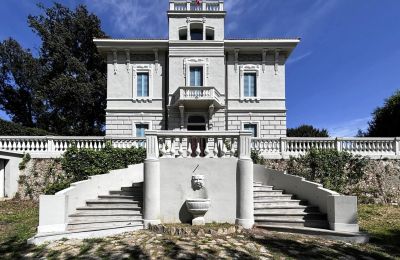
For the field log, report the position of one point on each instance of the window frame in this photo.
(138, 69)
(201, 76)
(196, 62)
(253, 74)
(256, 123)
(137, 84)
(134, 128)
(244, 69)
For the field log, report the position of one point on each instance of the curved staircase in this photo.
(119, 209)
(274, 208)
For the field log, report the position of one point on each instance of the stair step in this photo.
(116, 197)
(102, 218)
(111, 202)
(106, 214)
(133, 189)
(110, 207)
(84, 226)
(125, 193)
(267, 192)
(286, 209)
(262, 188)
(266, 204)
(292, 223)
(298, 216)
(274, 197)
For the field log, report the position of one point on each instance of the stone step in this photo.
(291, 223)
(110, 207)
(274, 197)
(298, 216)
(95, 213)
(267, 193)
(286, 209)
(112, 202)
(262, 188)
(84, 226)
(125, 193)
(133, 189)
(257, 184)
(99, 218)
(116, 197)
(266, 204)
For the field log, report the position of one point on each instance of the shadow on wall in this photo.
(184, 215)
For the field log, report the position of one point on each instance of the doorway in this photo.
(197, 123)
(2, 178)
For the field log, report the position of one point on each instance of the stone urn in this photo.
(198, 208)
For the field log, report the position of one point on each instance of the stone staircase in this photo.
(120, 209)
(274, 208)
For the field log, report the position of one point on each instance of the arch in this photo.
(196, 119)
(183, 33)
(210, 33)
(196, 31)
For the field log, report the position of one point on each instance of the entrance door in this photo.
(197, 123)
(2, 178)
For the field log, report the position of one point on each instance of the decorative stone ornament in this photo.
(197, 182)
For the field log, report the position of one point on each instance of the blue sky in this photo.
(347, 63)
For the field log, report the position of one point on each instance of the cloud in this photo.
(298, 58)
(348, 128)
(133, 18)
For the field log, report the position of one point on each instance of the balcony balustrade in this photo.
(197, 97)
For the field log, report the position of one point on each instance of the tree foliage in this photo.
(307, 131)
(386, 119)
(63, 89)
(10, 128)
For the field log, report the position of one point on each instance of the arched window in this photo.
(196, 31)
(183, 33)
(209, 34)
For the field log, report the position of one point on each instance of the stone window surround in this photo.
(249, 69)
(196, 62)
(142, 68)
(258, 123)
(134, 123)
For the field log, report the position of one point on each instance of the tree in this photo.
(307, 131)
(386, 119)
(63, 90)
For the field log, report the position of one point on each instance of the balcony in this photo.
(193, 6)
(197, 97)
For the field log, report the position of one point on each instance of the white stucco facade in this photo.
(196, 40)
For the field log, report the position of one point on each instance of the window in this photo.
(143, 84)
(196, 76)
(140, 128)
(196, 34)
(183, 34)
(250, 84)
(209, 34)
(252, 128)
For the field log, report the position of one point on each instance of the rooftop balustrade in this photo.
(190, 5)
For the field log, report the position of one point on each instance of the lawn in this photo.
(18, 220)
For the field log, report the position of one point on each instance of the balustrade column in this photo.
(151, 196)
(397, 146)
(338, 144)
(50, 144)
(244, 182)
(282, 146)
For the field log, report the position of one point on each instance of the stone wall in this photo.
(380, 184)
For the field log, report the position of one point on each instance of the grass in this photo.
(19, 219)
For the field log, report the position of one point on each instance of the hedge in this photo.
(10, 128)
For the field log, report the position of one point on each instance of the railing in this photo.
(59, 144)
(196, 93)
(206, 144)
(190, 5)
(174, 144)
(293, 146)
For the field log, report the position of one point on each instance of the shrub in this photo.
(25, 160)
(257, 158)
(80, 164)
(10, 128)
(335, 170)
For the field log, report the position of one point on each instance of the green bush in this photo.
(10, 128)
(335, 170)
(80, 164)
(257, 158)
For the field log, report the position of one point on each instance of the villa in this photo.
(200, 104)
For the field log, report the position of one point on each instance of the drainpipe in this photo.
(244, 183)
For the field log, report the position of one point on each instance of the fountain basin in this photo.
(198, 208)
